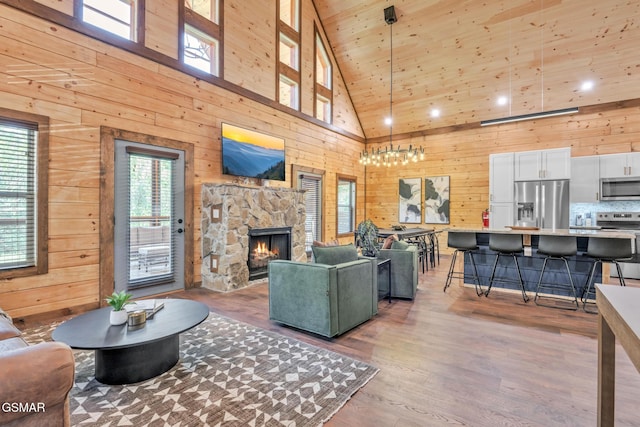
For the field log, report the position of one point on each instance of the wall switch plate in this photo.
(214, 262)
(216, 213)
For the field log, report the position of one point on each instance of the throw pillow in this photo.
(333, 242)
(389, 241)
(333, 255)
(399, 244)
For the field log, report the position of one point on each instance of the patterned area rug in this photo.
(229, 374)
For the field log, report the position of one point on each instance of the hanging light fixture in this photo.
(390, 156)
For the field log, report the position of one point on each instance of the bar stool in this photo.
(465, 243)
(605, 250)
(506, 245)
(556, 248)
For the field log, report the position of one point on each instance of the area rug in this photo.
(229, 374)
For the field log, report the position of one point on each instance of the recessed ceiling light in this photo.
(388, 121)
(586, 85)
(502, 100)
(435, 113)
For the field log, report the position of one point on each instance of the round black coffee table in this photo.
(125, 354)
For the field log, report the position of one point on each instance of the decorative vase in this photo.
(118, 317)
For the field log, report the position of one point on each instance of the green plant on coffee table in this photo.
(368, 238)
(118, 300)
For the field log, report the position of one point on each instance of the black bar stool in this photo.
(465, 243)
(558, 248)
(506, 244)
(605, 250)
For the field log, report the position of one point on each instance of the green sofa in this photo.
(329, 297)
(404, 269)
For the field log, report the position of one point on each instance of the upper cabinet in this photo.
(620, 165)
(501, 178)
(501, 195)
(585, 179)
(543, 164)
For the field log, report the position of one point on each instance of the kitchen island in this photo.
(531, 263)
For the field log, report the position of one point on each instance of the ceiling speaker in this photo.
(390, 15)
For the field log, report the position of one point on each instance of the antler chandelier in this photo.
(391, 156)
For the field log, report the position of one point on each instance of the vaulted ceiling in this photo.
(461, 56)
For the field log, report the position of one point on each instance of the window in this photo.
(116, 16)
(323, 93)
(289, 13)
(346, 196)
(289, 92)
(289, 53)
(311, 180)
(200, 51)
(323, 108)
(23, 194)
(208, 9)
(202, 35)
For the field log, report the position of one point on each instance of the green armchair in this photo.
(329, 297)
(404, 269)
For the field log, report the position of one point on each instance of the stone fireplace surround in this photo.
(228, 212)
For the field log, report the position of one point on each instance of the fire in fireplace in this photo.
(266, 244)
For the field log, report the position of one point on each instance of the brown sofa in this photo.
(35, 380)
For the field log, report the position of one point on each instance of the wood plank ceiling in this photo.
(460, 56)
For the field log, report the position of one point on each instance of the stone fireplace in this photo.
(230, 213)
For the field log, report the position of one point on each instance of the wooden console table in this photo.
(618, 318)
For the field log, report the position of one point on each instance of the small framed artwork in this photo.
(409, 200)
(436, 200)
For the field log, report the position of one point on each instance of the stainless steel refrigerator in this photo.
(543, 204)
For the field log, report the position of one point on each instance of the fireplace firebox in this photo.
(267, 244)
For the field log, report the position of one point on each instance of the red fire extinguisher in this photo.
(485, 218)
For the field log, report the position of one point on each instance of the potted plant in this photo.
(117, 301)
(368, 238)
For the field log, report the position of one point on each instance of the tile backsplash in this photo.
(591, 208)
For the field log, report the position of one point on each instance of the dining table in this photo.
(426, 238)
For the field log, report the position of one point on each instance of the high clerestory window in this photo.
(323, 92)
(202, 35)
(120, 17)
(289, 53)
(23, 194)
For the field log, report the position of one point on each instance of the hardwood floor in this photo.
(456, 359)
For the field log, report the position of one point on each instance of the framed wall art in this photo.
(409, 200)
(436, 200)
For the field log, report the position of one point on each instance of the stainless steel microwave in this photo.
(627, 188)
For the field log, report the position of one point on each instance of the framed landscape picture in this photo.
(410, 203)
(436, 200)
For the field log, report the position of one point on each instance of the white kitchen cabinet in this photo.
(501, 215)
(543, 164)
(620, 165)
(501, 178)
(585, 179)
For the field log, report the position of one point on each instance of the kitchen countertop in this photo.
(586, 232)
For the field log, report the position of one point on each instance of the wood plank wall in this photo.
(83, 84)
(464, 157)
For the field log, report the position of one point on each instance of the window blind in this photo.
(313, 203)
(346, 206)
(18, 207)
(151, 212)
